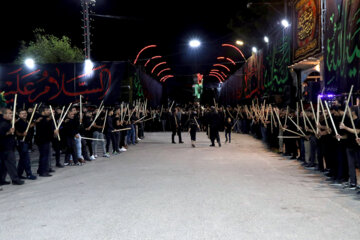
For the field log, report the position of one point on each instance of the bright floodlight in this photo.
(266, 39)
(30, 63)
(285, 23)
(194, 43)
(88, 66)
(254, 49)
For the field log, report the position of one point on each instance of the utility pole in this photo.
(86, 12)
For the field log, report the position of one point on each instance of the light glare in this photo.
(194, 43)
(30, 63)
(266, 39)
(285, 23)
(88, 66)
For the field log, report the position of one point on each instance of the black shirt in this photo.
(44, 130)
(20, 127)
(7, 142)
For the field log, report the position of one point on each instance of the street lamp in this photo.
(285, 23)
(239, 42)
(254, 49)
(195, 43)
(30, 63)
(88, 66)
(266, 39)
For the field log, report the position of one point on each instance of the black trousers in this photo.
(122, 138)
(24, 161)
(8, 165)
(353, 155)
(44, 150)
(56, 145)
(70, 150)
(174, 132)
(214, 134)
(110, 137)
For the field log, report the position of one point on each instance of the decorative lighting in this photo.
(194, 43)
(137, 57)
(30, 63)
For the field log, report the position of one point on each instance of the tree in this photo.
(257, 19)
(48, 48)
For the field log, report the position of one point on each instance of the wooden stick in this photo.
(277, 116)
(67, 110)
(29, 123)
(347, 103)
(81, 112)
(140, 119)
(286, 116)
(289, 137)
(96, 116)
(119, 130)
(171, 105)
(147, 119)
(14, 112)
(311, 126)
(331, 119)
(93, 139)
(352, 123)
(318, 115)
(322, 108)
(304, 113)
(298, 127)
(62, 111)
(162, 107)
(313, 111)
(297, 113)
(53, 117)
(285, 129)
(121, 111)
(102, 131)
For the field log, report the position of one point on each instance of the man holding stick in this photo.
(44, 135)
(352, 143)
(21, 127)
(7, 149)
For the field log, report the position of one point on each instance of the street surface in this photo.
(158, 190)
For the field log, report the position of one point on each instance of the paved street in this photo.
(158, 190)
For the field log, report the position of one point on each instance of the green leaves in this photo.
(47, 48)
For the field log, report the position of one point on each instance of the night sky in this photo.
(170, 26)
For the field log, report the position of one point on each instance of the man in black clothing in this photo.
(108, 132)
(7, 148)
(175, 126)
(214, 124)
(23, 147)
(44, 135)
(352, 146)
(71, 131)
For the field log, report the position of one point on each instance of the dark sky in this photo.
(170, 26)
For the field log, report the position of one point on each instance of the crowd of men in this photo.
(323, 136)
(75, 133)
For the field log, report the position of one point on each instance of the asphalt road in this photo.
(158, 190)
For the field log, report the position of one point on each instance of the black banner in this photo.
(63, 83)
(306, 29)
(342, 45)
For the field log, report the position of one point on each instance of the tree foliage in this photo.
(256, 19)
(47, 48)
